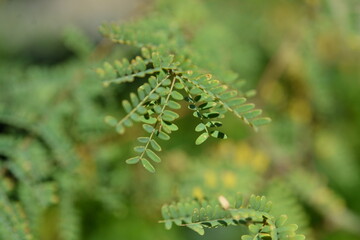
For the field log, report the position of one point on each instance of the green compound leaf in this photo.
(170, 77)
(201, 214)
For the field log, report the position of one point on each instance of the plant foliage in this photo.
(171, 77)
(255, 214)
(174, 72)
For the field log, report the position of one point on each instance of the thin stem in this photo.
(141, 102)
(130, 77)
(158, 119)
(166, 101)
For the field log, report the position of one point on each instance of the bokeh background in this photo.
(62, 170)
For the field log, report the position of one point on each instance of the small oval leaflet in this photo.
(179, 85)
(214, 124)
(133, 160)
(244, 108)
(127, 106)
(166, 128)
(141, 110)
(166, 82)
(197, 98)
(163, 136)
(162, 91)
(134, 99)
(148, 128)
(167, 117)
(207, 105)
(173, 127)
(135, 117)
(192, 106)
(281, 220)
(211, 115)
(200, 127)
(218, 134)
(127, 122)
(202, 138)
(261, 121)
(139, 149)
(153, 156)
(252, 113)
(153, 96)
(147, 165)
(143, 139)
(228, 94)
(111, 121)
(155, 145)
(236, 102)
(174, 105)
(158, 109)
(153, 81)
(176, 95)
(120, 129)
(197, 228)
(174, 115)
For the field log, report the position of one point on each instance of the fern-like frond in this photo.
(149, 63)
(227, 99)
(255, 214)
(171, 77)
(281, 193)
(327, 202)
(14, 223)
(149, 32)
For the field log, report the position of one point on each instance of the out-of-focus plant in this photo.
(62, 170)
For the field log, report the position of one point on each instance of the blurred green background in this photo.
(62, 170)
